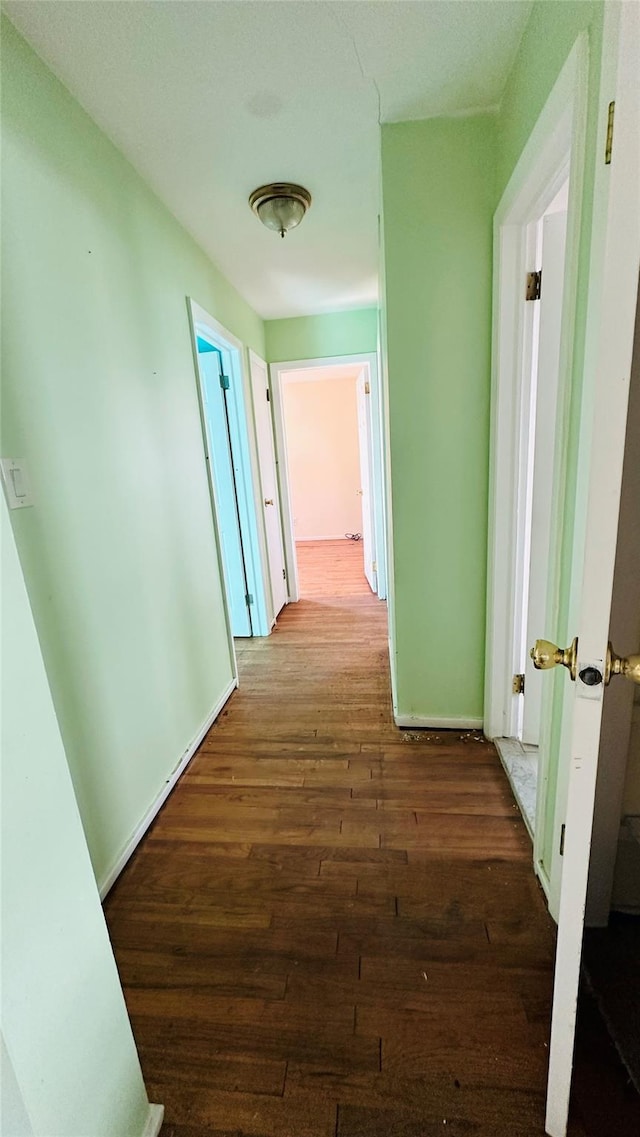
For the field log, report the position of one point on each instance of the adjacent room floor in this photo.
(331, 568)
(333, 928)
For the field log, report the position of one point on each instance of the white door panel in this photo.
(615, 263)
(554, 231)
(269, 481)
(363, 389)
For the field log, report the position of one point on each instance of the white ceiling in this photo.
(210, 99)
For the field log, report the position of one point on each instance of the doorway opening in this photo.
(328, 426)
(545, 242)
(223, 408)
(536, 251)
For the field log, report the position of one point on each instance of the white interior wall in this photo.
(321, 423)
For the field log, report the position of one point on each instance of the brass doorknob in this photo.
(546, 655)
(268, 501)
(626, 665)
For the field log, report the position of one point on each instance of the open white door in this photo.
(544, 415)
(613, 289)
(269, 481)
(222, 467)
(363, 389)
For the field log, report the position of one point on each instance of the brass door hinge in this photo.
(367, 387)
(374, 566)
(562, 832)
(284, 574)
(608, 147)
(517, 685)
(534, 285)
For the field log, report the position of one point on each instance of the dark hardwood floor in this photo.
(333, 928)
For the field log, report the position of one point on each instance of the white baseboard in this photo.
(325, 537)
(159, 801)
(434, 722)
(154, 1121)
(545, 884)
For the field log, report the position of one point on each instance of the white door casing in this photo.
(365, 442)
(269, 481)
(612, 298)
(378, 468)
(555, 149)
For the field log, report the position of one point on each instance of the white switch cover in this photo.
(16, 482)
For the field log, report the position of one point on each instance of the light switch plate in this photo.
(16, 483)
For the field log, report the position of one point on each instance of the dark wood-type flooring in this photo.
(333, 928)
(612, 964)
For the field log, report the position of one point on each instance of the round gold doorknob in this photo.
(628, 666)
(546, 655)
(268, 501)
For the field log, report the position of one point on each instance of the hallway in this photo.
(333, 927)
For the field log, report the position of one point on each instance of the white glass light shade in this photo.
(281, 213)
(280, 206)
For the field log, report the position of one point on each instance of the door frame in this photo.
(369, 361)
(555, 147)
(245, 461)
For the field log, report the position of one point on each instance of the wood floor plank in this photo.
(332, 928)
(222, 1113)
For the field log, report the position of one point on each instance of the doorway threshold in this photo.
(521, 765)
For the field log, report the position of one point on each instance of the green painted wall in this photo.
(99, 397)
(438, 198)
(549, 36)
(74, 1069)
(312, 337)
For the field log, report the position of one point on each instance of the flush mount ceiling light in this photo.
(280, 205)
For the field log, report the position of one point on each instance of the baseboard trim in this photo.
(434, 722)
(159, 801)
(545, 884)
(324, 537)
(153, 1125)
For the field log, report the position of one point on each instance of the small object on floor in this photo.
(353, 536)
